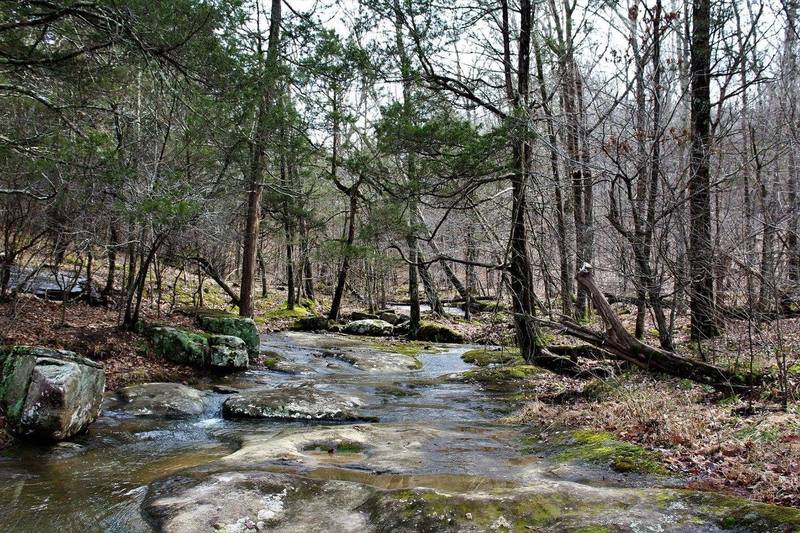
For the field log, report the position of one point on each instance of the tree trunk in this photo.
(701, 288)
(258, 163)
(342, 277)
(430, 288)
(112, 261)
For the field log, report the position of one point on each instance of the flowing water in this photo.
(100, 480)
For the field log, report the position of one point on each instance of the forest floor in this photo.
(747, 446)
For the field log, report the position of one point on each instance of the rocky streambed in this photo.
(348, 434)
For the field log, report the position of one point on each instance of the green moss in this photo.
(431, 332)
(425, 510)
(598, 390)
(335, 447)
(222, 323)
(282, 311)
(794, 369)
(732, 512)
(410, 348)
(179, 345)
(602, 447)
(486, 357)
(502, 374)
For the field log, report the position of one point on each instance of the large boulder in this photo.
(179, 345)
(222, 323)
(161, 400)
(375, 328)
(49, 394)
(227, 352)
(303, 402)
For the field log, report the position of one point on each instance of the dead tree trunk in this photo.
(617, 341)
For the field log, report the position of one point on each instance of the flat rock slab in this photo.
(303, 402)
(243, 500)
(161, 400)
(377, 447)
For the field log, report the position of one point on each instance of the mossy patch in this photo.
(502, 374)
(489, 357)
(335, 447)
(410, 348)
(425, 510)
(602, 447)
(432, 332)
(731, 512)
(270, 359)
(598, 390)
(282, 311)
(179, 345)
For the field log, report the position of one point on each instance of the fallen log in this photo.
(617, 341)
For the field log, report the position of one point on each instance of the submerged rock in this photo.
(49, 394)
(250, 501)
(161, 400)
(302, 402)
(373, 327)
(381, 447)
(227, 352)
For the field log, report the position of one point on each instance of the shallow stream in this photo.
(437, 438)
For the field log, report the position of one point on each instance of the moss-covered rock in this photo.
(502, 377)
(493, 356)
(738, 514)
(179, 345)
(603, 448)
(428, 510)
(432, 332)
(598, 390)
(222, 323)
